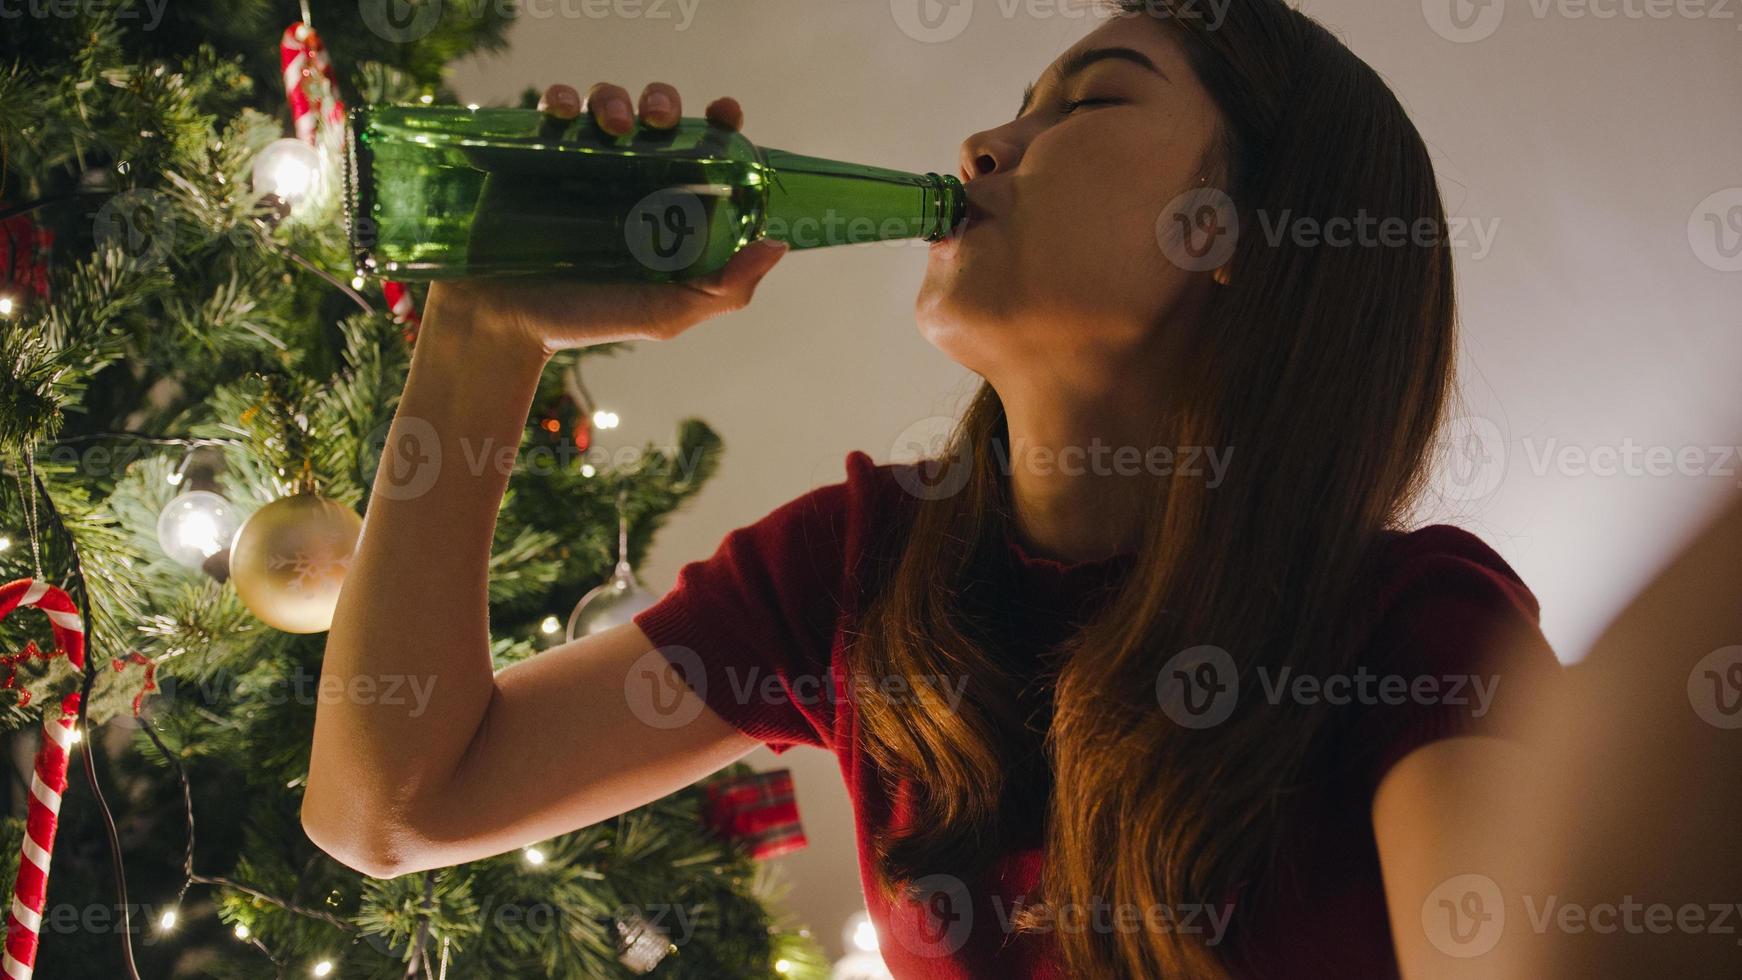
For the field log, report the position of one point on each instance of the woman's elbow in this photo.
(356, 839)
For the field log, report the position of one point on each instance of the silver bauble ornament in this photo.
(612, 603)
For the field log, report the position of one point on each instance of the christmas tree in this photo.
(185, 348)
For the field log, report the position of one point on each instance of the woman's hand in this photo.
(554, 315)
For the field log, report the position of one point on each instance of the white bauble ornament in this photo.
(289, 559)
(195, 526)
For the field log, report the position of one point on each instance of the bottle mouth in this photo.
(949, 207)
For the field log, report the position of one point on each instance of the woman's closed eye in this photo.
(1068, 106)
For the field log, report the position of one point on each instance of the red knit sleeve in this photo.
(752, 628)
(1457, 651)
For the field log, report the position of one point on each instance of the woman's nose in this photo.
(987, 153)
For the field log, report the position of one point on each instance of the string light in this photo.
(241, 931)
(166, 921)
(534, 856)
(5, 542)
(5, 306)
(604, 420)
(782, 966)
(288, 169)
(75, 736)
(195, 526)
(322, 968)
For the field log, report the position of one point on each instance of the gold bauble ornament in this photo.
(289, 558)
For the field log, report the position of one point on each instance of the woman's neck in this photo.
(1079, 473)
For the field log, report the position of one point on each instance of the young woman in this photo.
(1151, 616)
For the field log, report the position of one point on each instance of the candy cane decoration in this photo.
(309, 80)
(48, 780)
(313, 88)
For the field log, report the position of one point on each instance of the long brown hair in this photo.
(1326, 373)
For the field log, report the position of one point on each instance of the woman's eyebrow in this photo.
(1076, 63)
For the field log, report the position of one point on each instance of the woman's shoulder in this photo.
(1450, 562)
(855, 509)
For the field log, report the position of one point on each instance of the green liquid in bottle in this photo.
(437, 192)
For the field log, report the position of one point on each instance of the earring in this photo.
(1221, 275)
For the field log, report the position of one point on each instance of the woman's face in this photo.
(1060, 266)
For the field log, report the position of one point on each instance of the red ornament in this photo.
(757, 811)
(24, 252)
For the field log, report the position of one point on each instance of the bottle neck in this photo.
(813, 202)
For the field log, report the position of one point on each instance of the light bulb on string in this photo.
(196, 525)
(287, 169)
(862, 962)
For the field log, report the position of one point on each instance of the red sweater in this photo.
(768, 614)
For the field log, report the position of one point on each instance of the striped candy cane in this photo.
(47, 782)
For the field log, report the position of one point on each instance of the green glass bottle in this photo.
(436, 192)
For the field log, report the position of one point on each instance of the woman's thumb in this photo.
(736, 283)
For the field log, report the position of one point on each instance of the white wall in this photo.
(1585, 143)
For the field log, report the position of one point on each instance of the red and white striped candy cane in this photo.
(309, 80)
(47, 782)
(313, 88)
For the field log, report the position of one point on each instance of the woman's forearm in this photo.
(407, 678)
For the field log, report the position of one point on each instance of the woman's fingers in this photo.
(611, 108)
(560, 101)
(725, 112)
(661, 107)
